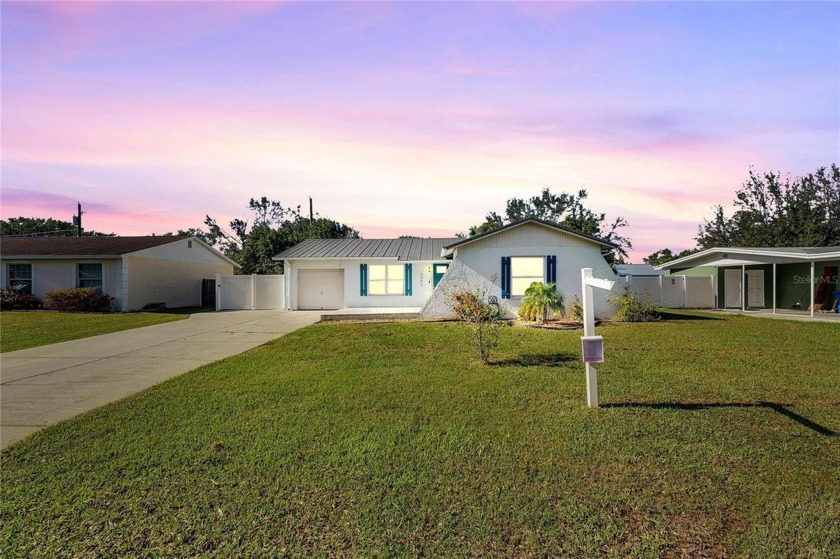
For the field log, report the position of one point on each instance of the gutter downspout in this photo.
(774, 288)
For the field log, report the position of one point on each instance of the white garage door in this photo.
(320, 289)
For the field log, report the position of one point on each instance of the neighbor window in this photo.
(525, 270)
(90, 275)
(20, 278)
(386, 280)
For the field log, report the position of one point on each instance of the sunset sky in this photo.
(415, 118)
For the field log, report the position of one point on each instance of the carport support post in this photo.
(589, 330)
(774, 288)
(743, 287)
(812, 288)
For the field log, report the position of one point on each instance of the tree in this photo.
(666, 255)
(567, 210)
(274, 228)
(538, 300)
(776, 211)
(42, 227)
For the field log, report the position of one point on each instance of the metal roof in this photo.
(80, 246)
(637, 270)
(733, 256)
(405, 249)
(460, 242)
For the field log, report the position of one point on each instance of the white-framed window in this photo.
(20, 278)
(386, 279)
(525, 270)
(90, 275)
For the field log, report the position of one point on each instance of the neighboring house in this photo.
(767, 278)
(637, 271)
(135, 271)
(389, 273)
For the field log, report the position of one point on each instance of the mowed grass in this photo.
(718, 437)
(23, 329)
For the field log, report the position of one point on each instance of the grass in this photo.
(23, 329)
(718, 437)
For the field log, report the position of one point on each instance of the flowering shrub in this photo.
(482, 319)
(11, 300)
(633, 309)
(576, 310)
(82, 299)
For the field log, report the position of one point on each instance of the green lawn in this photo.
(23, 329)
(718, 437)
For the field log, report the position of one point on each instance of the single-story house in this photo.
(135, 271)
(406, 272)
(801, 278)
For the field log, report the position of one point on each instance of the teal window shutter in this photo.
(363, 280)
(408, 279)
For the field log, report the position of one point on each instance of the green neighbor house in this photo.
(767, 278)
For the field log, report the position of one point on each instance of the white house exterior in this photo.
(135, 271)
(390, 273)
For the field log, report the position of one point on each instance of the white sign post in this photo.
(592, 345)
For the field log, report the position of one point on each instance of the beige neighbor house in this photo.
(135, 271)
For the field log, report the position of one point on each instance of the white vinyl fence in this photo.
(674, 292)
(254, 292)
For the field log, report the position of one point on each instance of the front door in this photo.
(732, 287)
(437, 273)
(755, 288)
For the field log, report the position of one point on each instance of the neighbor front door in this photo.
(755, 288)
(732, 287)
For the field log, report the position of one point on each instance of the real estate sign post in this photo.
(592, 346)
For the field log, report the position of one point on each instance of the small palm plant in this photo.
(538, 300)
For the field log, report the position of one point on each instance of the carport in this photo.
(806, 271)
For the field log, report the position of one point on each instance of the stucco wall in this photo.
(486, 260)
(421, 288)
(177, 283)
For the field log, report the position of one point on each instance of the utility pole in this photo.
(77, 219)
(310, 211)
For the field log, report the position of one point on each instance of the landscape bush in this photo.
(633, 309)
(82, 299)
(576, 310)
(11, 300)
(538, 300)
(482, 318)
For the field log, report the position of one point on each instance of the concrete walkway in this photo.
(44, 385)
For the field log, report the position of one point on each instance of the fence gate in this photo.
(254, 292)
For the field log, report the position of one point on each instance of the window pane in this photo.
(396, 272)
(20, 271)
(395, 287)
(376, 272)
(376, 287)
(527, 267)
(90, 275)
(519, 285)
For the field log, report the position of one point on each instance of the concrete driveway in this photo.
(44, 385)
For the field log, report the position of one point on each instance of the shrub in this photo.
(633, 309)
(576, 310)
(483, 320)
(11, 300)
(538, 300)
(82, 299)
